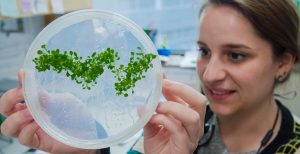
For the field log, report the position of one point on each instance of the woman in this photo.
(246, 48)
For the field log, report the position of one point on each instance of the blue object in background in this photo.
(164, 52)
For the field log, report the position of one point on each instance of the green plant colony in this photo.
(85, 72)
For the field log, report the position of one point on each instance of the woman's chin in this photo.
(221, 109)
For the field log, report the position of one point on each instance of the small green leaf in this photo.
(40, 52)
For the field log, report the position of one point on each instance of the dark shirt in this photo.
(287, 140)
(103, 151)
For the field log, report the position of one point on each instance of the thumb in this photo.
(20, 77)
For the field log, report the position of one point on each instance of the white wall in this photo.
(14, 46)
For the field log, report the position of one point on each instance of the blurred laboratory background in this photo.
(171, 24)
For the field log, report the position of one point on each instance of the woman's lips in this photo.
(219, 95)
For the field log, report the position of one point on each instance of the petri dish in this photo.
(97, 117)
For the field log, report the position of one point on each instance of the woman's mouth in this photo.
(218, 95)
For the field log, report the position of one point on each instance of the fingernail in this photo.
(20, 78)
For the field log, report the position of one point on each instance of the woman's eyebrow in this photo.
(229, 45)
(236, 46)
(201, 43)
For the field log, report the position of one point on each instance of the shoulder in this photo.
(291, 129)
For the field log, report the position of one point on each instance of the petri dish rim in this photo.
(76, 17)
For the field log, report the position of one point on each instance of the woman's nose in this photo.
(214, 71)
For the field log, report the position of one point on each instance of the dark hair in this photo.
(276, 21)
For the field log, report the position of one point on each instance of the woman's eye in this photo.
(236, 56)
(203, 52)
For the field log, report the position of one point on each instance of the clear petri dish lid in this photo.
(92, 79)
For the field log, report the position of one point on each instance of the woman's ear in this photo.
(286, 62)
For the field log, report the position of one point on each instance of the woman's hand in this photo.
(20, 124)
(179, 122)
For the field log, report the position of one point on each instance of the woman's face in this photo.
(236, 66)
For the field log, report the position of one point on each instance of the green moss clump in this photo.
(86, 72)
